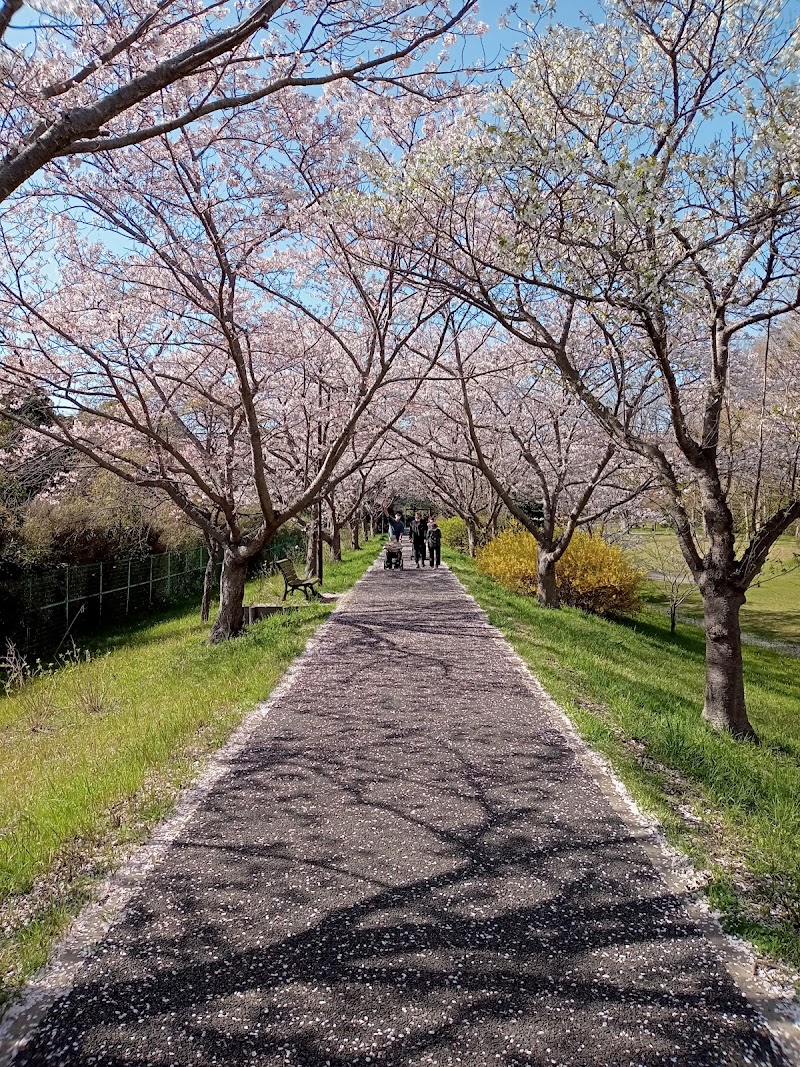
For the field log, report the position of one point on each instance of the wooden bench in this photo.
(292, 581)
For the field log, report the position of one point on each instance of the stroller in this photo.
(394, 555)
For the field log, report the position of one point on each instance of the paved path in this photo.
(408, 865)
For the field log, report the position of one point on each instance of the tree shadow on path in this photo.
(415, 869)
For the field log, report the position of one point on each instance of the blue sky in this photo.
(566, 10)
(499, 41)
(490, 11)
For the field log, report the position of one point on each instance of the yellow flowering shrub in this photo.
(510, 558)
(592, 574)
(598, 577)
(454, 533)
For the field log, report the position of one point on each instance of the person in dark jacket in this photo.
(397, 526)
(419, 530)
(434, 539)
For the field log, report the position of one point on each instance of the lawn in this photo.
(772, 611)
(635, 694)
(94, 753)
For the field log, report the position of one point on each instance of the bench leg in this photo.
(285, 591)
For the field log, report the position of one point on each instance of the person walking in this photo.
(434, 539)
(419, 530)
(397, 526)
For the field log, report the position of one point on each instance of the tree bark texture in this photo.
(472, 537)
(230, 619)
(724, 706)
(546, 588)
(336, 545)
(312, 549)
(208, 578)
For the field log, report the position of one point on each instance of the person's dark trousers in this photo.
(419, 550)
(435, 553)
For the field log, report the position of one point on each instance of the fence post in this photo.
(101, 588)
(128, 595)
(169, 573)
(66, 595)
(151, 578)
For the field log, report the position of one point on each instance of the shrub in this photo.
(592, 574)
(454, 533)
(598, 577)
(510, 558)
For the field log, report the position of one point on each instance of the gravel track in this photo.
(412, 865)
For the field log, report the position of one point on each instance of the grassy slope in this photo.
(635, 694)
(92, 755)
(772, 610)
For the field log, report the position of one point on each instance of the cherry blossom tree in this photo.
(346, 502)
(513, 420)
(202, 359)
(81, 79)
(640, 172)
(760, 432)
(457, 484)
(439, 451)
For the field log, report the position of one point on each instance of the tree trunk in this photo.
(673, 616)
(472, 536)
(208, 578)
(355, 534)
(724, 698)
(230, 620)
(214, 559)
(546, 589)
(336, 545)
(312, 549)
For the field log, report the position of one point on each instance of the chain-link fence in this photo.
(41, 612)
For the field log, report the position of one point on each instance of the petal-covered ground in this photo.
(411, 864)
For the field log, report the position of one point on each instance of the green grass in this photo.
(94, 753)
(635, 694)
(772, 611)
